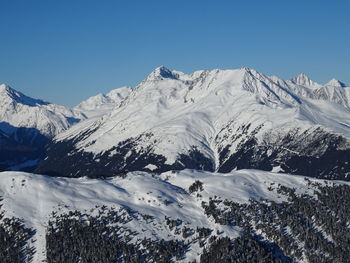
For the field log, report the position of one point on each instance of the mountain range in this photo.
(213, 166)
(28, 125)
(218, 120)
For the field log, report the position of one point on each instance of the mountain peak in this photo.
(9, 94)
(5, 88)
(101, 103)
(301, 78)
(304, 80)
(162, 73)
(335, 83)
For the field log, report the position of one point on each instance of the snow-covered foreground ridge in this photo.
(216, 120)
(149, 205)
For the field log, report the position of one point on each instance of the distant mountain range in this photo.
(28, 125)
(218, 120)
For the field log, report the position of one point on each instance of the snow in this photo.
(151, 167)
(33, 197)
(184, 110)
(19, 110)
(304, 80)
(100, 104)
(181, 111)
(335, 83)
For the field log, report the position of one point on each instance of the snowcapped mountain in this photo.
(175, 216)
(101, 104)
(303, 80)
(335, 83)
(49, 119)
(27, 124)
(217, 120)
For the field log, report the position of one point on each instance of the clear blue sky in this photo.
(67, 50)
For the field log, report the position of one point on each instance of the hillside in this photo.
(176, 216)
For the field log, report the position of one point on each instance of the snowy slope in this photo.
(33, 197)
(101, 104)
(215, 120)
